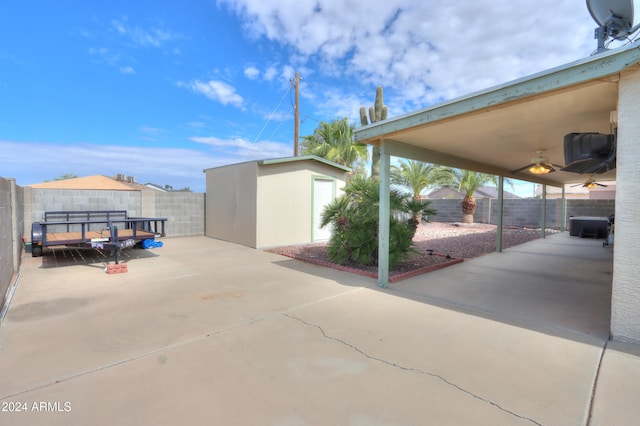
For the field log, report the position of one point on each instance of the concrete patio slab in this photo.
(618, 390)
(207, 332)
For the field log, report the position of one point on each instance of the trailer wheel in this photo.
(36, 251)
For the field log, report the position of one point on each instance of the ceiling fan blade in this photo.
(522, 168)
(578, 184)
(548, 166)
(602, 185)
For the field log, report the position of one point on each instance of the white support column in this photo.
(500, 213)
(625, 297)
(563, 212)
(543, 233)
(384, 215)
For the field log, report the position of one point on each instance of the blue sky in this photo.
(161, 90)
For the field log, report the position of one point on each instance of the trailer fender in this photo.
(36, 239)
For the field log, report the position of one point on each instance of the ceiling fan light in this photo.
(590, 185)
(538, 169)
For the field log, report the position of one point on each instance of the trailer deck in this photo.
(111, 229)
(66, 238)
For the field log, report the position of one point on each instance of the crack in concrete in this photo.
(594, 386)
(249, 321)
(412, 369)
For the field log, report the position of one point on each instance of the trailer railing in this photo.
(88, 228)
(69, 218)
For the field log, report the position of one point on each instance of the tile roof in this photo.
(96, 182)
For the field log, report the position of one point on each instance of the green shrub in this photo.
(354, 217)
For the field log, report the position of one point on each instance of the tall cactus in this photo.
(377, 112)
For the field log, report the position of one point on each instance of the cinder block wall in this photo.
(78, 200)
(11, 226)
(184, 210)
(601, 208)
(522, 212)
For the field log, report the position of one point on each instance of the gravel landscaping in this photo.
(436, 245)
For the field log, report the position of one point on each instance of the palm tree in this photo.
(468, 183)
(64, 177)
(334, 141)
(355, 217)
(417, 176)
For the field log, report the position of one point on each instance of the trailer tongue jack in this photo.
(117, 267)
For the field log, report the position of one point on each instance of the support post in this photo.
(296, 116)
(563, 211)
(384, 217)
(625, 295)
(500, 213)
(543, 233)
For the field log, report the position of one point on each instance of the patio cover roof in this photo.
(500, 129)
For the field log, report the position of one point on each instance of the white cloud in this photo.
(251, 73)
(179, 167)
(152, 37)
(105, 55)
(215, 90)
(424, 51)
(246, 149)
(271, 72)
(127, 70)
(152, 133)
(175, 166)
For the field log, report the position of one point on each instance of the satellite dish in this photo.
(615, 18)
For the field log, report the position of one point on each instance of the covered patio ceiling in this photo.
(500, 129)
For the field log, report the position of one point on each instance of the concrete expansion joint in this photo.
(411, 369)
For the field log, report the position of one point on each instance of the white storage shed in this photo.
(271, 203)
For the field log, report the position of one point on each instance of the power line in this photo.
(279, 125)
(288, 90)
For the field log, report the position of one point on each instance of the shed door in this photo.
(323, 194)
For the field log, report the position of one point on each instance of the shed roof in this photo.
(500, 129)
(288, 160)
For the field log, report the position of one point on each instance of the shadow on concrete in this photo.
(342, 277)
(559, 286)
(57, 257)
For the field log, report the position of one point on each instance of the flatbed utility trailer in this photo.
(109, 229)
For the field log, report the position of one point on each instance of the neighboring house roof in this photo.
(99, 182)
(289, 159)
(482, 192)
(156, 187)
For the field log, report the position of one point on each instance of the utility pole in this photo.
(296, 116)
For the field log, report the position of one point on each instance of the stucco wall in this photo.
(285, 192)
(231, 203)
(625, 301)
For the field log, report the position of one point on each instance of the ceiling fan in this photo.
(590, 184)
(539, 165)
